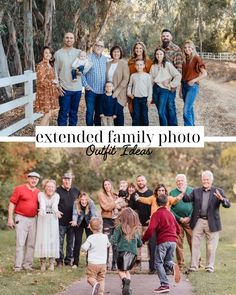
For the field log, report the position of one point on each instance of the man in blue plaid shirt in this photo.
(94, 82)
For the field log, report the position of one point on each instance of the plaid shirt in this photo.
(174, 55)
(95, 78)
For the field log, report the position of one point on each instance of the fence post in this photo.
(28, 91)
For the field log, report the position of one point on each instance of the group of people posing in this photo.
(112, 83)
(128, 219)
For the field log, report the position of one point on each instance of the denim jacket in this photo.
(79, 217)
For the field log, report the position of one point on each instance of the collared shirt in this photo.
(95, 78)
(174, 55)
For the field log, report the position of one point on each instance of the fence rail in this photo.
(27, 101)
(224, 56)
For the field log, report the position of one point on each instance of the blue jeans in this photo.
(160, 98)
(171, 110)
(189, 95)
(69, 232)
(140, 112)
(69, 105)
(93, 108)
(120, 120)
(164, 260)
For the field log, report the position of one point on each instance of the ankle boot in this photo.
(43, 264)
(51, 264)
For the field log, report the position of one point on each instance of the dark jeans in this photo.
(78, 240)
(171, 110)
(93, 108)
(152, 243)
(189, 96)
(69, 105)
(140, 112)
(69, 232)
(120, 120)
(160, 98)
(164, 260)
(108, 229)
(74, 72)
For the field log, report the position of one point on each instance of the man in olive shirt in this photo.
(182, 212)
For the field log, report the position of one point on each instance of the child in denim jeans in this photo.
(167, 230)
(140, 91)
(96, 245)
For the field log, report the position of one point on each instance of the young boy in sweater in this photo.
(140, 91)
(108, 106)
(167, 230)
(96, 245)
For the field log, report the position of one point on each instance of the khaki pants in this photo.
(25, 241)
(107, 121)
(96, 273)
(184, 228)
(201, 230)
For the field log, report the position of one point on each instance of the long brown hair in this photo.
(129, 221)
(108, 180)
(52, 60)
(134, 56)
(155, 192)
(78, 203)
(155, 60)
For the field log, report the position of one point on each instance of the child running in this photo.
(167, 230)
(126, 238)
(96, 245)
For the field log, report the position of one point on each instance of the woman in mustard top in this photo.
(159, 190)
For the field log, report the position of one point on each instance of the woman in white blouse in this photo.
(118, 74)
(165, 77)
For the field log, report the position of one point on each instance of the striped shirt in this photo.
(95, 78)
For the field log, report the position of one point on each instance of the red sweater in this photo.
(165, 225)
(25, 200)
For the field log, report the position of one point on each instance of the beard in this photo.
(165, 43)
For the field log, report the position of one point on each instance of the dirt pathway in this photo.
(140, 284)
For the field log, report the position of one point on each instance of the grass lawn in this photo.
(223, 280)
(32, 283)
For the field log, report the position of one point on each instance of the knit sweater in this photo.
(153, 202)
(181, 209)
(164, 224)
(118, 238)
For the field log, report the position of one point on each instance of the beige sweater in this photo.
(140, 85)
(107, 204)
(120, 80)
(168, 73)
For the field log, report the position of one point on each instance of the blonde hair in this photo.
(78, 203)
(133, 57)
(46, 181)
(129, 221)
(96, 224)
(190, 42)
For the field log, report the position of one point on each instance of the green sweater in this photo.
(123, 245)
(181, 209)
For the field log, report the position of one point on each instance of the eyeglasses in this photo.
(97, 45)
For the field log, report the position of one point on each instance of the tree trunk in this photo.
(4, 70)
(48, 17)
(28, 36)
(13, 43)
(199, 25)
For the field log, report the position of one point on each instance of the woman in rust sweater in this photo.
(193, 70)
(139, 52)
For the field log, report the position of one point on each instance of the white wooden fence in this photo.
(224, 56)
(27, 101)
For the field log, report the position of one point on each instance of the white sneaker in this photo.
(96, 289)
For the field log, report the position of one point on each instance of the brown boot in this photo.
(43, 264)
(51, 264)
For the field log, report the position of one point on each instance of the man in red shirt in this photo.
(167, 230)
(24, 203)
